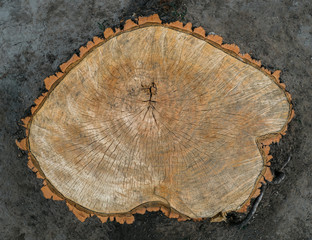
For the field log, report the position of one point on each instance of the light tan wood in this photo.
(157, 115)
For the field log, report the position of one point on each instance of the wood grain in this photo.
(157, 115)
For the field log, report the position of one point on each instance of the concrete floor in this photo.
(37, 36)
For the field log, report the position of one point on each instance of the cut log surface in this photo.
(157, 115)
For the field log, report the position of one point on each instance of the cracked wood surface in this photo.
(157, 115)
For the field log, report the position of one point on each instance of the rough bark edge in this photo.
(51, 82)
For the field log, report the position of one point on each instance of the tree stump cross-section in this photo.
(156, 116)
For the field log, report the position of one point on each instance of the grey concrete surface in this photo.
(36, 36)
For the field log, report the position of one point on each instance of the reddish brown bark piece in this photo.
(156, 118)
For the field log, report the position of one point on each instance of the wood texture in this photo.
(156, 114)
